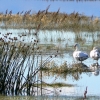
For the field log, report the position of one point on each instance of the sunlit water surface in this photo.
(60, 38)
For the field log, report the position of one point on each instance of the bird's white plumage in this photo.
(79, 55)
(95, 54)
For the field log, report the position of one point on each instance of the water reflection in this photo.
(63, 71)
(81, 67)
(76, 70)
(54, 37)
(95, 67)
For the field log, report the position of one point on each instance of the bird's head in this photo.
(76, 45)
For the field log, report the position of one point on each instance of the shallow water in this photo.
(48, 98)
(53, 37)
(86, 80)
(64, 39)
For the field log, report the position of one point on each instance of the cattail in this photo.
(5, 36)
(38, 27)
(6, 11)
(28, 46)
(10, 38)
(55, 55)
(37, 48)
(32, 48)
(35, 33)
(47, 9)
(23, 34)
(20, 36)
(37, 41)
(43, 11)
(76, 14)
(38, 13)
(15, 38)
(34, 40)
(18, 13)
(10, 33)
(10, 12)
(50, 56)
(34, 43)
(21, 12)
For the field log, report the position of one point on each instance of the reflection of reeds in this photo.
(59, 39)
(56, 84)
(65, 70)
(80, 40)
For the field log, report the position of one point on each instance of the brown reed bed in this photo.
(50, 21)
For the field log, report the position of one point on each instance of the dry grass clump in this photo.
(64, 70)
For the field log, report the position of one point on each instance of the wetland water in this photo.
(63, 41)
(46, 98)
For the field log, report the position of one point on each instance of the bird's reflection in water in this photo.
(95, 68)
(80, 66)
(78, 69)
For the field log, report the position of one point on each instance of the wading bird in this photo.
(79, 55)
(95, 53)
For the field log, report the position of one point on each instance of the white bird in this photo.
(79, 55)
(95, 53)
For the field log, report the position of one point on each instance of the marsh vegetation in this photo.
(27, 58)
(49, 20)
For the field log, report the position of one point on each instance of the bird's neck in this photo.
(77, 49)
